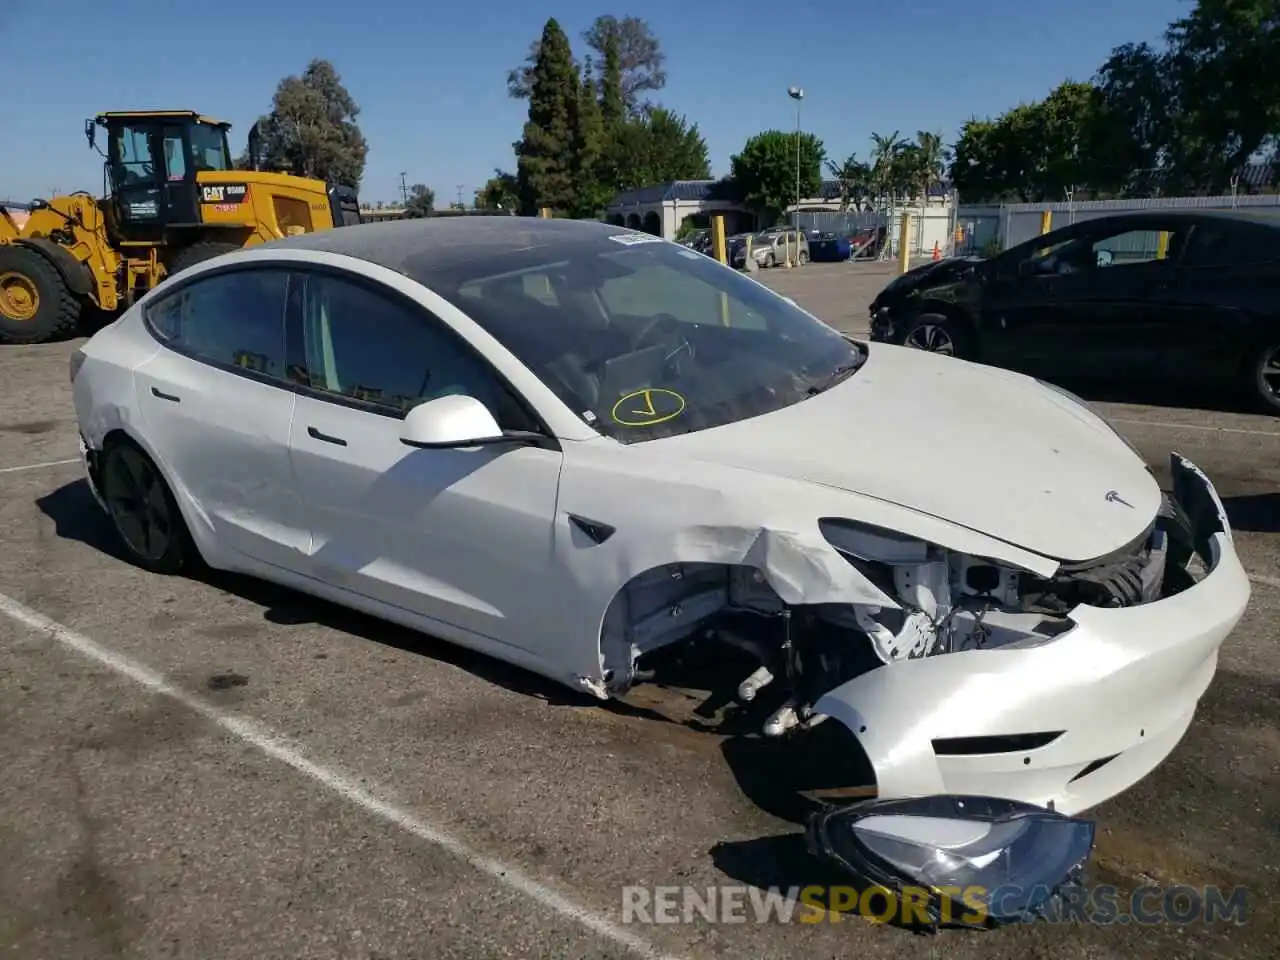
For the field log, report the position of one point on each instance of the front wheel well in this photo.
(953, 315)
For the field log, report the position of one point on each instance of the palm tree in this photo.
(931, 156)
(854, 177)
(883, 156)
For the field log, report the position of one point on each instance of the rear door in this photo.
(216, 406)
(1228, 283)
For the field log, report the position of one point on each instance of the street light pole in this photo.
(797, 94)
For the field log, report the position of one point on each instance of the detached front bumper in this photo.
(1064, 722)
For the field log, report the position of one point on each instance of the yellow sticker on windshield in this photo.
(644, 408)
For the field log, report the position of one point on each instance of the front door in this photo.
(463, 537)
(216, 402)
(1104, 303)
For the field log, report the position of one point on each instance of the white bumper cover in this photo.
(1119, 689)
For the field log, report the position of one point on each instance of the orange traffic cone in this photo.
(937, 253)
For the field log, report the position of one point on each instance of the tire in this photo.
(1263, 373)
(137, 496)
(802, 258)
(936, 333)
(770, 261)
(198, 253)
(35, 304)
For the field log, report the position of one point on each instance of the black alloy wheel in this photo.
(143, 510)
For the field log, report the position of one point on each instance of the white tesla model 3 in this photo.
(574, 447)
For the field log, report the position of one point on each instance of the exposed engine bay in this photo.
(789, 656)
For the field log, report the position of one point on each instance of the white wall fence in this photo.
(985, 229)
(929, 227)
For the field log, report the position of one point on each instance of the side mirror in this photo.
(1105, 258)
(91, 133)
(456, 421)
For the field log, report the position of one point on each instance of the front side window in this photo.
(233, 319)
(644, 338)
(390, 354)
(132, 154)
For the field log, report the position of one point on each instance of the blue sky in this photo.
(429, 78)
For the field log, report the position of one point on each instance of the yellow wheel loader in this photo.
(172, 198)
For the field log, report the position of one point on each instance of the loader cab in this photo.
(152, 161)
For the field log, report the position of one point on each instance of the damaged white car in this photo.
(578, 448)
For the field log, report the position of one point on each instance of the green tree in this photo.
(545, 164)
(854, 178)
(500, 192)
(657, 146)
(421, 202)
(311, 130)
(886, 165)
(613, 105)
(1195, 112)
(590, 165)
(763, 173)
(639, 56)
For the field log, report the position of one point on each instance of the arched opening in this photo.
(652, 224)
(633, 221)
(616, 219)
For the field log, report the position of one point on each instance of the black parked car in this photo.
(1189, 296)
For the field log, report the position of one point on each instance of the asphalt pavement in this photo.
(220, 768)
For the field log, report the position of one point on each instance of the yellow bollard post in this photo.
(1162, 245)
(1046, 221)
(747, 247)
(717, 239)
(722, 254)
(904, 239)
(545, 213)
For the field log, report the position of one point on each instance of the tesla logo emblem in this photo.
(1113, 496)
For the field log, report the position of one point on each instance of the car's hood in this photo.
(984, 448)
(928, 274)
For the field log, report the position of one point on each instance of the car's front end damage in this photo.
(1031, 681)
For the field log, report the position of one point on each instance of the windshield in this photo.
(646, 339)
(209, 148)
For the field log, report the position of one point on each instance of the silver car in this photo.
(771, 248)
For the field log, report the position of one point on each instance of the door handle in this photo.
(165, 396)
(337, 441)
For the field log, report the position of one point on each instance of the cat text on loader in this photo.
(171, 199)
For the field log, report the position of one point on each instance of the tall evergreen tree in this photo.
(590, 168)
(545, 157)
(612, 105)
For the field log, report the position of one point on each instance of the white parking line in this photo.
(39, 466)
(1197, 426)
(275, 747)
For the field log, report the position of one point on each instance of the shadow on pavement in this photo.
(76, 516)
(1256, 513)
(1170, 396)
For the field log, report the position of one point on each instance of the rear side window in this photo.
(233, 320)
(1231, 244)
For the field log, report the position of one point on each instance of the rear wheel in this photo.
(1264, 376)
(144, 511)
(936, 333)
(35, 304)
(198, 253)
